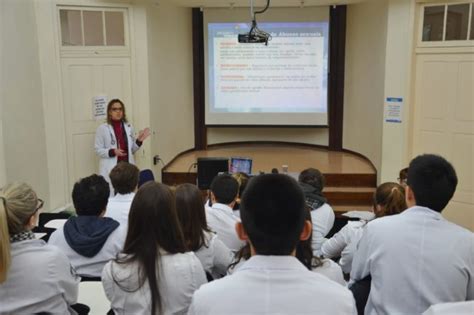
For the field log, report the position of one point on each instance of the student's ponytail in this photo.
(18, 203)
(390, 197)
(5, 258)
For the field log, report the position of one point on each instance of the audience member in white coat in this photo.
(90, 240)
(220, 216)
(273, 280)
(417, 258)
(311, 181)
(155, 274)
(389, 199)
(304, 253)
(34, 277)
(124, 177)
(215, 257)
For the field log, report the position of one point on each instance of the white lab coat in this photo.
(105, 140)
(323, 221)
(344, 244)
(40, 279)
(416, 259)
(222, 220)
(273, 285)
(214, 255)
(179, 276)
(118, 208)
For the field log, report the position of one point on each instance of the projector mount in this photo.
(255, 35)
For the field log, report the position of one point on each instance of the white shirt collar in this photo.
(272, 263)
(423, 210)
(125, 197)
(223, 207)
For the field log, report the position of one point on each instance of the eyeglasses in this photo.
(117, 109)
(41, 203)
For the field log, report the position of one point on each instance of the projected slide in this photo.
(287, 76)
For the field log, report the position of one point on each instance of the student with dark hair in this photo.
(220, 216)
(389, 199)
(155, 274)
(124, 178)
(312, 182)
(304, 253)
(215, 257)
(90, 240)
(34, 276)
(273, 280)
(418, 254)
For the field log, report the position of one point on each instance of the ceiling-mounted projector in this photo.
(255, 35)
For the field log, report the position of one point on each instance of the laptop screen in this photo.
(239, 164)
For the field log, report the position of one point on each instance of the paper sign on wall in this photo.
(393, 110)
(99, 107)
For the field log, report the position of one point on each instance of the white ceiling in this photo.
(258, 3)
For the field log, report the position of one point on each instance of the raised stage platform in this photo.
(350, 178)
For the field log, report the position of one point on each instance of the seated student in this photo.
(215, 257)
(124, 178)
(304, 253)
(34, 277)
(273, 280)
(417, 258)
(220, 216)
(311, 181)
(155, 274)
(90, 240)
(389, 199)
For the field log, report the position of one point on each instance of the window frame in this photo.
(444, 43)
(96, 50)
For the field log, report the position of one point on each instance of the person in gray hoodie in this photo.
(90, 240)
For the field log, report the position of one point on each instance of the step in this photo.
(360, 196)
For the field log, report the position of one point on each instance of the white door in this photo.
(444, 122)
(82, 79)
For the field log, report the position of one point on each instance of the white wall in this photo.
(364, 81)
(171, 79)
(3, 172)
(23, 125)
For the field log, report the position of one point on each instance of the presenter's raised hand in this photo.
(143, 134)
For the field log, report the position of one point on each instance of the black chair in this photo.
(361, 291)
(49, 216)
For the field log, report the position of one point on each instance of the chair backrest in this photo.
(145, 176)
(45, 217)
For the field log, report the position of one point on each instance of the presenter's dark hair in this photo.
(225, 188)
(313, 177)
(124, 177)
(90, 195)
(152, 224)
(273, 213)
(433, 181)
(109, 106)
(192, 216)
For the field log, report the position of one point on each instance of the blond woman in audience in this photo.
(34, 277)
(155, 274)
(215, 257)
(389, 199)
